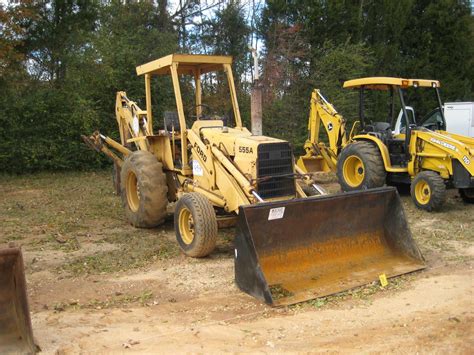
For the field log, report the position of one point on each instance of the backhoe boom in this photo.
(319, 156)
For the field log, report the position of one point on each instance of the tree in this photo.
(76, 55)
(438, 44)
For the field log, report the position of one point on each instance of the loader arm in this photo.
(319, 156)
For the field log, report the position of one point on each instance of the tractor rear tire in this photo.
(467, 195)
(360, 166)
(195, 225)
(143, 190)
(428, 191)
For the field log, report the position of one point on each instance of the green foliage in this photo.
(287, 116)
(40, 130)
(80, 54)
(438, 43)
(335, 64)
(62, 61)
(319, 44)
(227, 33)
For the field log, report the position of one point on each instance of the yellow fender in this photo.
(383, 152)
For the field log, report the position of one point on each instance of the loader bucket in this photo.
(16, 336)
(292, 251)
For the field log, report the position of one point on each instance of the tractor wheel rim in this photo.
(186, 226)
(354, 171)
(422, 192)
(133, 191)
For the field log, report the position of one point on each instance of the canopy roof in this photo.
(187, 64)
(384, 83)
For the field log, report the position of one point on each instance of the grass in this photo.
(68, 211)
(364, 293)
(135, 250)
(63, 203)
(65, 211)
(145, 298)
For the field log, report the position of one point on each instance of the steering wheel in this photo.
(203, 116)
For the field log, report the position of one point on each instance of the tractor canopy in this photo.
(384, 83)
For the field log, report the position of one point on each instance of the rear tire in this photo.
(195, 225)
(360, 166)
(428, 191)
(467, 195)
(143, 190)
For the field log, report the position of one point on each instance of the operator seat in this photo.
(381, 130)
(171, 121)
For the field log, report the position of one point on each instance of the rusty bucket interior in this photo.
(293, 251)
(16, 336)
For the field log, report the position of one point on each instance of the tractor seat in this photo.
(171, 121)
(381, 130)
(381, 126)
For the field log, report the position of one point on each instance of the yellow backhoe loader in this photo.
(289, 247)
(398, 151)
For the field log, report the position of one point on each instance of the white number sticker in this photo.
(197, 170)
(135, 125)
(276, 213)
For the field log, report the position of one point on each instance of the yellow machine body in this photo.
(222, 171)
(403, 155)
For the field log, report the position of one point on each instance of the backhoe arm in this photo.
(132, 122)
(320, 157)
(133, 128)
(322, 111)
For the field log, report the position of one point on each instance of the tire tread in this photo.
(204, 219)
(153, 189)
(375, 174)
(437, 186)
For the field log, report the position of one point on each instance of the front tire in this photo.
(428, 191)
(467, 195)
(143, 190)
(195, 225)
(360, 166)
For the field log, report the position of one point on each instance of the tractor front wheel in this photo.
(428, 191)
(467, 195)
(195, 225)
(143, 189)
(360, 166)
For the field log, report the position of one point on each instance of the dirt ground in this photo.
(97, 285)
